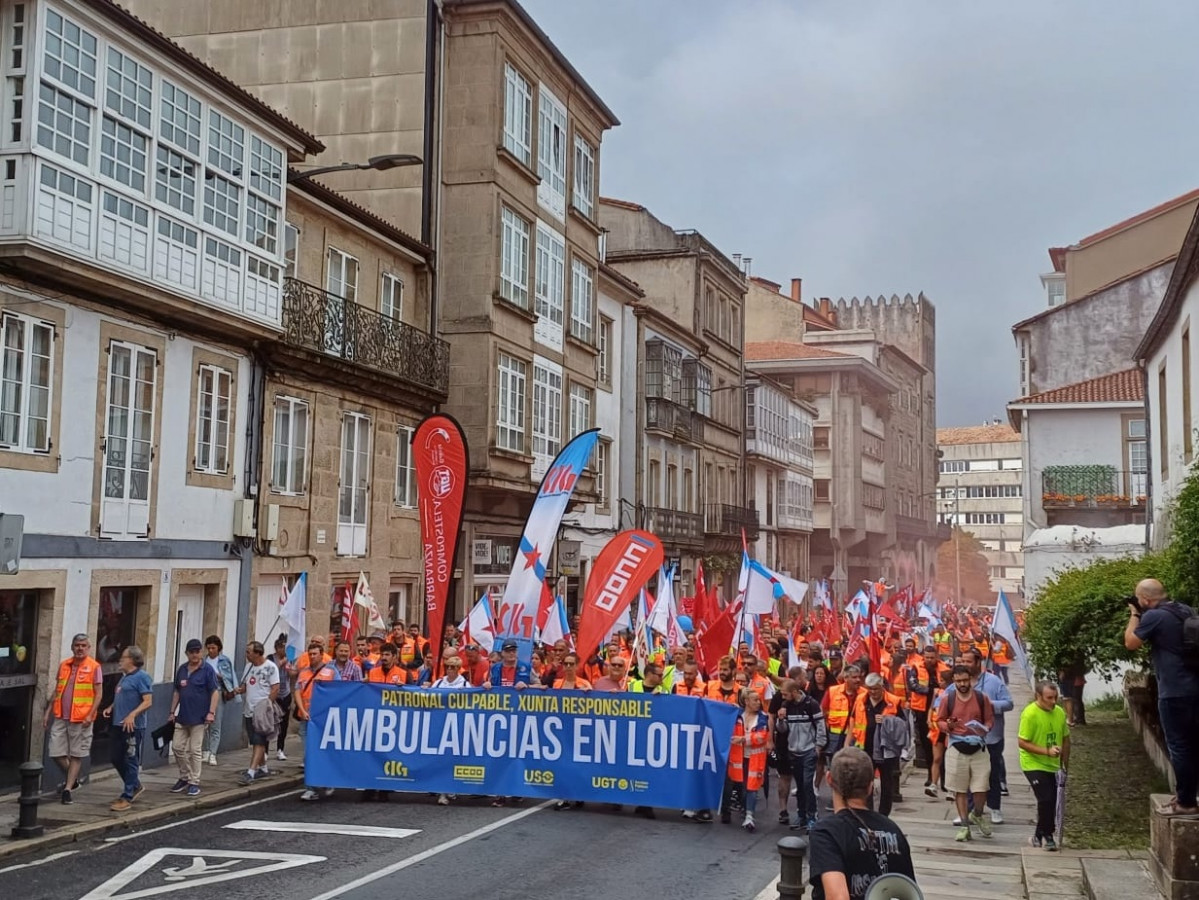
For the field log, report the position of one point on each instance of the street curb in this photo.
(74, 833)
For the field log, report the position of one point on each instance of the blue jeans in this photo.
(125, 754)
(1180, 723)
(803, 770)
(998, 774)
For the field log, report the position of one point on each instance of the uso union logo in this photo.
(441, 482)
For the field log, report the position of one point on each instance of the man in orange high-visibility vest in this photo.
(72, 711)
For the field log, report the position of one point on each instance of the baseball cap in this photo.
(377, 636)
(193, 644)
(509, 645)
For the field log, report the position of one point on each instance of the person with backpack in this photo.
(965, 716)
(1172, 631)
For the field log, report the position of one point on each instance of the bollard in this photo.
(27, 827)
(792, 851)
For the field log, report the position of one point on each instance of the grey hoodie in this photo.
(802, 721)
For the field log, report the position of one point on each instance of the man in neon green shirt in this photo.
(1044, 750)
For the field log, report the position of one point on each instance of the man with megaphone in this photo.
(855, 846)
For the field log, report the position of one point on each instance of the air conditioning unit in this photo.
(243, 518)
(268, 523)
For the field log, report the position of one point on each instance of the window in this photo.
(580, 409)
(391, 297)
(603, 460)
(123, 154)
(175, 181)
(821, 489)
(341, 287)
(874, 497)
(212, 420)
(954, 466)
(989, 491)
(266, 168)
(985, 518)
(180, 119)
(518, 115)
(26, 370)
(547, 409)
(117, 625)
(550, 283)
(353, 491)
(672, 486)
(226, 144)
(405, 495)
(551, 152)
(128, 440)
(510, 407)
(584, 181)
(291, 244)
(128, 91)
(688, 490)
(290, 447)
(1056, 288)
(262, 223)
(696, 390)
(514, 259)
(64, 124)
(222, 202)
(603, 360)
(582, 301)
(996, 571)
(820, 437)
(653, 484)
(1136, 450)
(1188, 438)
(663, 370)
(70, 54)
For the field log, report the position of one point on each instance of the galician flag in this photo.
(1003, 623)
(477, 627)
(293, 613)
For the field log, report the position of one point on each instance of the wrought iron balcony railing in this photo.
(321, 321)
(670, 418)
(675, 527)
(723, 519)
(1092, 486)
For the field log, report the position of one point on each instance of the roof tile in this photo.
(978, 434)
(1127, 386)
(780, 350)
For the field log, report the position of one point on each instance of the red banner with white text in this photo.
(620, 570)
(439, 457)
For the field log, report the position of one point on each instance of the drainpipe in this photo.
(1148, 458)
(431, 171)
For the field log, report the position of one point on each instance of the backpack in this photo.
(1190, 635)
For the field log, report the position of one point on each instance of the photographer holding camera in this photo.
(1158, 620)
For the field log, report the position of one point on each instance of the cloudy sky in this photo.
(880, 147)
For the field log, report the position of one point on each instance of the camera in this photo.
(1131, 600)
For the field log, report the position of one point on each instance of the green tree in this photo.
(964, 550)
(1182, 553)
(1080, 615)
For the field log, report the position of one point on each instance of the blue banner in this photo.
(644, 749)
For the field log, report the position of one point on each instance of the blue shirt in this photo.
(1161, 628)
(130, 691)
(195, 694)
(1001, 701)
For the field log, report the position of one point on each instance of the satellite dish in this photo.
(894, 887)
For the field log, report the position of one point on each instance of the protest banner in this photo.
(645, 749)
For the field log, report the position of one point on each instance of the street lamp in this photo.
(378, 163)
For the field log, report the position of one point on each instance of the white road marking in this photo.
(39, 862)
(109, 842)
(198, 873)
(323, 828)
(429, 854)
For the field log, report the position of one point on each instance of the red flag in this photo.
(717, 639)
(547, 606)
(703, 616)
(622, 568)
(439, 456)
(856, 644)
(349, 621)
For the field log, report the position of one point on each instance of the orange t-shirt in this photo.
(397, 675)
(581, 684)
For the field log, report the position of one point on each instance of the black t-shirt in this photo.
(862, 844)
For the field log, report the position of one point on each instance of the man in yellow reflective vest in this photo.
(837, 704)
(72, 711)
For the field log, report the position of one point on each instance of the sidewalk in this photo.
(1003, 867)
(89, 816)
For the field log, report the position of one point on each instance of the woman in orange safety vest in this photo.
(747, 758)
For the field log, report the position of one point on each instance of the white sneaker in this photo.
(996, 817)
(326, 792)
(310, 794)
(748, 824)
(443, 800)
(281, 756)
(212, 759)
(957, 820)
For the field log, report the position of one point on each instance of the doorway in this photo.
(189, 621)
(18, 649)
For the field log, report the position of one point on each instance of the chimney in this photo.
(797, 290)
(826, 310)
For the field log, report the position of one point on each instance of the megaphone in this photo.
(894, 887)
